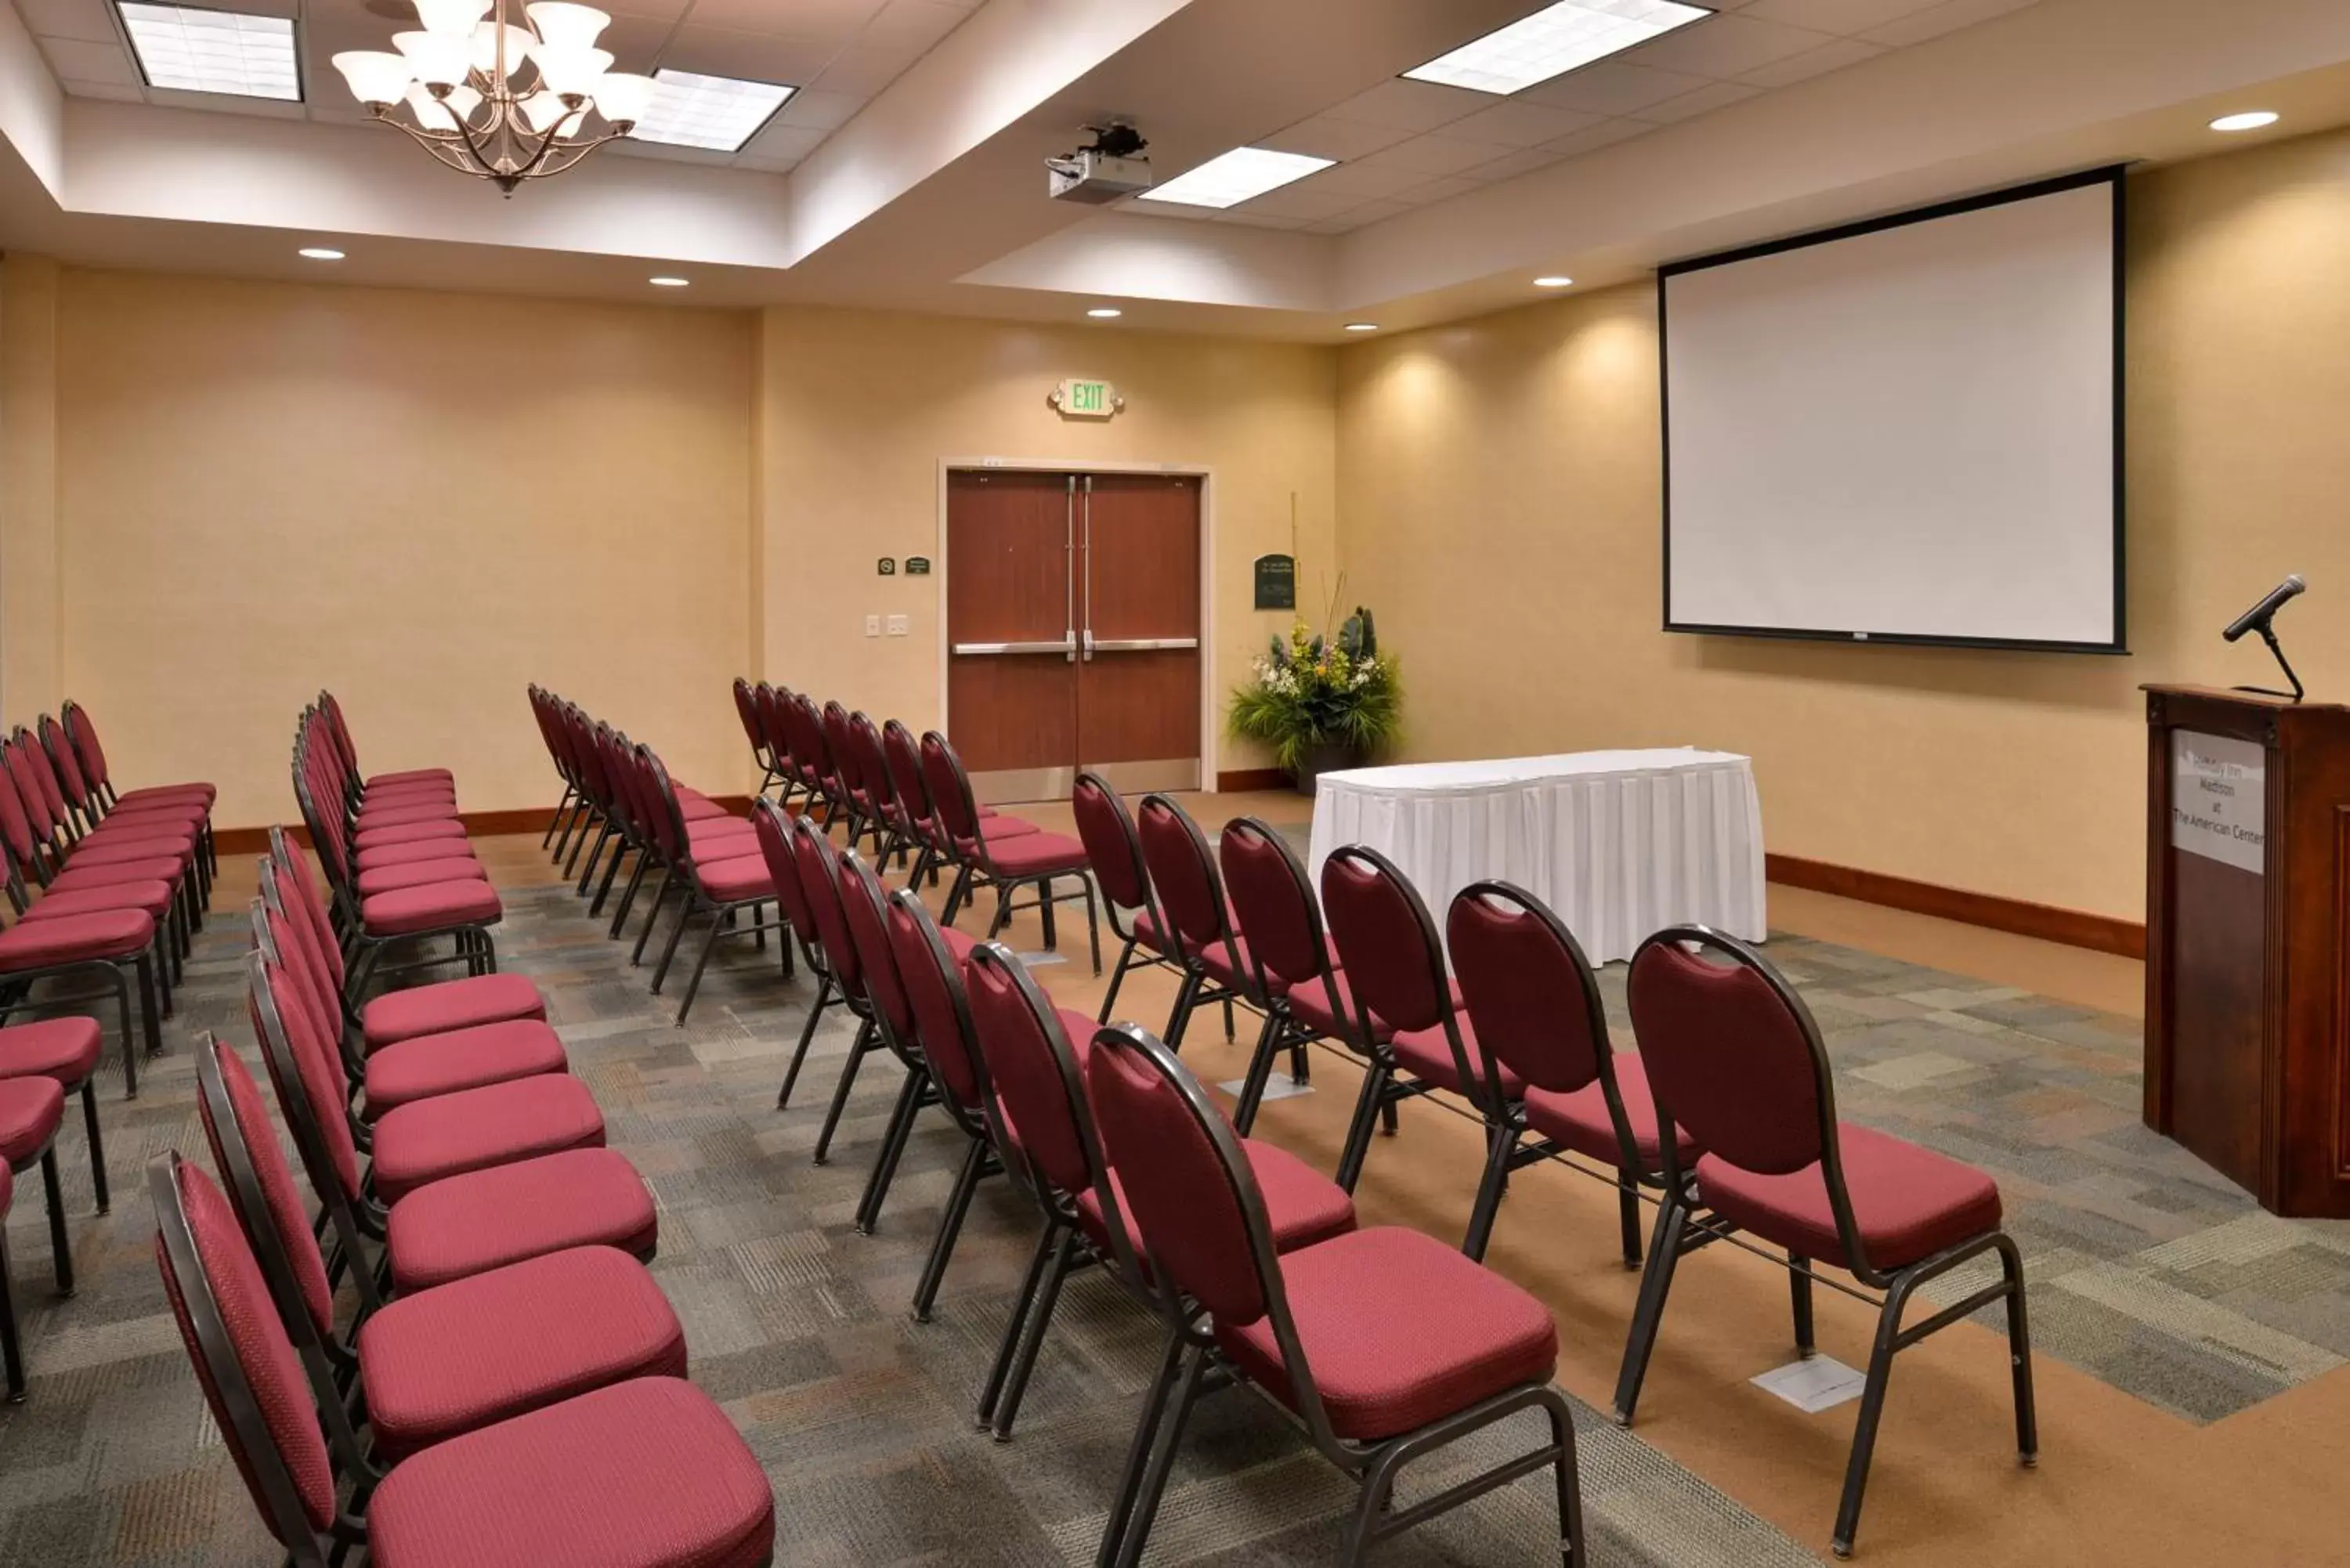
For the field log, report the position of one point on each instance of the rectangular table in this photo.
(1620, 844)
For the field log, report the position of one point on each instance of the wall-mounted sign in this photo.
(918, 566)
(1276, 582)
(2218, 798)
(889, 568)
(1082, 400)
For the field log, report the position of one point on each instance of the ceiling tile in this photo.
(1365, 182)
(1946, 17)
(635, 42)
(1519, 124)
(114, 90)
(1442, 188)
(915, 23)
(751, 57)
(1725, 47)
(1301, 201)
(1613, 87)
(1833, 56)
(227, 103)
(1261, 219)
(1605, 133)
(667, 152)
(783, 141)
(89, 20)
(865, 71)
(1704, 101)
(1525, 160)
(1322, 137)
(1840, 16)
(824, 109)
(836, 19)
(1427, 155)
(1401, 105)
(659, 10)
(75, 60)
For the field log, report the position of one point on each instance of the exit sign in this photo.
(1079, 398)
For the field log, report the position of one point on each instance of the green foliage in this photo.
(1312, 691)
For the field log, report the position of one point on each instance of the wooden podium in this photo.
(2247, 935)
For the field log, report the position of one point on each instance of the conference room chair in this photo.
(1383, 1343)
(1735, 1057)
(119, 866)
(1287, 966)
(844, 786)
(812, 755)
(986, 856)
(457, 1224)
(1190, 890)
(716, 874)
(433, 1364)
(82, 732)
(116, 947)
(31, 1111)
(746, 712)
(773, 829)
(1114, 851)
(1033, 1056)
(84, 818)
(339, 733)
(64, 1050)
(770, 702)
(891, 822)
(934, 849)
(644, 1473)
(817, 862)
(1533, 1002)
(541, 705)
(1405, 1021)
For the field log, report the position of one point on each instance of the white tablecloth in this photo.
(1621, 843)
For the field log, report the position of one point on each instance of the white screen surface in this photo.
(1905, 432)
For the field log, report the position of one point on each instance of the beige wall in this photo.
(30, 647)
(858, 409)
(1499, 496)
(422, 500)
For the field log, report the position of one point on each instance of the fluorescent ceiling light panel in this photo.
(213, 51)
(1554, 40)
(1241, 175)
(721, 113)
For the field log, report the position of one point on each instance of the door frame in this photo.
(1210, 729)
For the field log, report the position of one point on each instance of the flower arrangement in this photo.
(1313, 697)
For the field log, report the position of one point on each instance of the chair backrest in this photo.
(747, 712)
(1107, 830)
(953, 805)
(339, 734)
(84, 735)
(45, 778)
(839, 754)
(59, 749)
(1386, 940)
(1733, 1055)
(300, 885)
(873, 768)
(771, 825)
(865, 917)
(1183, 873)
(311, 1091)
(1033, 1067)
(261, 1184)
(774, 727)
(934, 989)
(1274, 900)
(16, 832)
(18, 755)
(902, 755)
(1530, 994)
(658, 800)
(282, 935)
(819, 884)
(244, 1358)
(810, 747)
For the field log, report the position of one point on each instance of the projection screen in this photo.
(1905, 430)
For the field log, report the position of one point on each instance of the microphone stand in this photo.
(2269, 636)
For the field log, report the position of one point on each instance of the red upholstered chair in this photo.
(83, 817)
(437, 1364)
(865, 911)
(775, 728)
(773, 829)
(1114, 849)
(1735, 1057)
(458, 1225)
(746, 712)
(987, 856)
(930, 961)
(1533, 1002)
(720, 874)
(64, 1050)
(812, 755)
(340, 733)
(817, 863)
(848, 775)
(1403, 1017)
(541, 712)
(1287, 970)
(81, 734)
(645, 1473)
(1383, 1343)
(1033, 1058)
(902, 756)
(31, 1110)
(1190, 892)
(117, 867)
(893, 826)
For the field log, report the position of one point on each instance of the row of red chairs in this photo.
(510, 1388)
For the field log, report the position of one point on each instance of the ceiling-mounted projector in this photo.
(1112, 166)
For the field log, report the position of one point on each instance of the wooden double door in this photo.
(1072, 630)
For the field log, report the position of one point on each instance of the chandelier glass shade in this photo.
(498, 101)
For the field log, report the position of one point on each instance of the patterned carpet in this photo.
(797, 1323)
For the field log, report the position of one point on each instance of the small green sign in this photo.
(889, 568)
(918, 566)
(1080, 397)
(1276, 582)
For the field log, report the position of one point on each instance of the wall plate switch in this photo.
(897, 627)
(872, 626)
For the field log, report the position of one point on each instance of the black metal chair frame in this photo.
(1198, 988)
(52, 858)
(1283, 1027)
(106, 796)
(1684, 1226)
(12, 1350)
(147, 964)
(1129, 935)
(827, 989)
(696, 899)
(852, 996)
(976, 869)
(921, 1088)
(746, 709)
(81, 819)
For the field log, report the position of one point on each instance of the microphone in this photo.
(2260, 614)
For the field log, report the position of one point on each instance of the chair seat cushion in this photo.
(412, 775)
(400, 814)
(38, 944)
(434, 1064)
(1327, 1006)
(696, 806)
(408, 854)
(30, 1110)
(63, 1048)
(155, 816)
(648, 1473)
(462, 1226)
(430, 907)
(374, 879)
(735, 879)
(720, 830)
(1579, 1121)
(445, 1362)
(452, 1004)
(159, 841)
(202, 792)
(1908, 1202)
(152, 899)
(407, 833)
(495, 1125)
(1302, 1205)
(1427, 1055)
(110, 873)
(1035, 854)
(1398, 1330)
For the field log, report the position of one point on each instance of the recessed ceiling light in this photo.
(1554, 40)
(721, 113)
(1241, 175)
(2251, 119)
(193, 50)
(667, 282)
(1362, 326)
(1104, 313)
(1554, 283)
(320, 253)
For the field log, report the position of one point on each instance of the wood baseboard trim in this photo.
(2073, 928)
(478, 824)
(1251, 778)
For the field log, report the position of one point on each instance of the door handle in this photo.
(1139, 644)
(967, 650)
(1088, 568)
(1069, 574)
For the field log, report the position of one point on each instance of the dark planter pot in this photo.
(1324, 759)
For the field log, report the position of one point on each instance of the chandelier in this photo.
(501, 102)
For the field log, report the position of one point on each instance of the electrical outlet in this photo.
(872, 626)
(897, 626)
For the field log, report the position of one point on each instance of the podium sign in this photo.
(2218, 805)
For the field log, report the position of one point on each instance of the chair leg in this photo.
(97, 1142)
(1500, 1143)
(693, 981)
(612, 872)
(1799, 1296)
(1366, 1115)
(1136, 1535)
(1044, 913)
(2019, 1355)
(1093, 922)
(1664, 1257)
(1138, 1453)
(154, 999)
(652, 919)
(857, 1053)
(1117, 978)
(588, 872)
(1260, 1071)
(808, 1032)
(12, 1352)
(1570, 1482)
(958, 894)
(1181, 1014)
(60, 1248)
(629, 895)
(893, 1148)
(560, 807)
(1007, 1409)
(130, 1041)
(1628, 1212)
(1872, 1411)
(1047, 1247)
(1002, 911)
(934, 1268)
